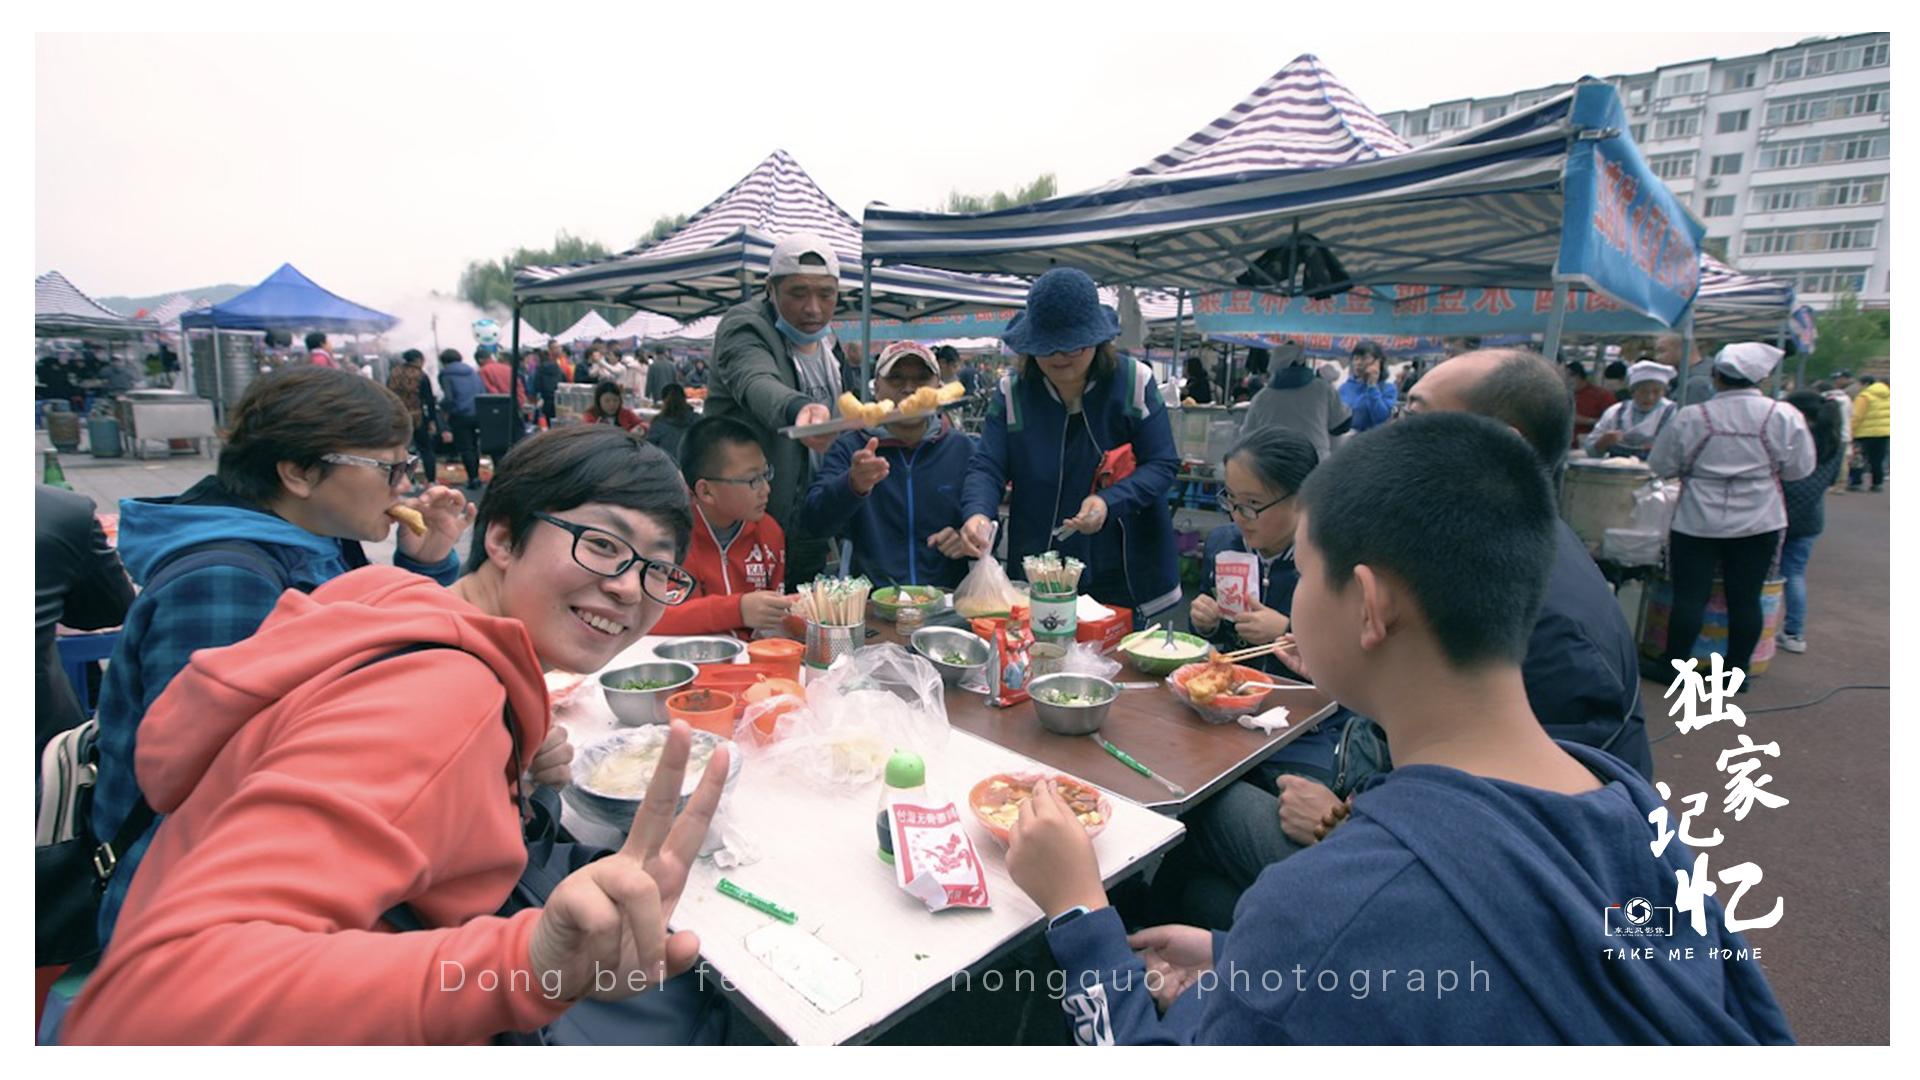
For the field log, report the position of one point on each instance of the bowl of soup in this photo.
(610, 775)
(1151, 654)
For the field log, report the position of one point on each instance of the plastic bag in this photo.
(1084, 659)
(871, 703)
(985, 591)
(1653, 505)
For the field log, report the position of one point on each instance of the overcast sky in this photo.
(380, 164)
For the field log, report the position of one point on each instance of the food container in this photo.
(985, 800)
(704, 710)
(613, 802)
(888, 602)
(1224, 708)
(1141, 650)
(1055, 616)
(633, 708)
(1045, 658)
(782, 654)
(702, 650)
(1077, 719)
(937, 643)
(825, 644)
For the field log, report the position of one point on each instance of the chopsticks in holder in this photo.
(1051, 575)
(836, 601)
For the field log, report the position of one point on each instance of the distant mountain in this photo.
(127, 305)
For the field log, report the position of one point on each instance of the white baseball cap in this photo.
(904, 350)
(788, 250)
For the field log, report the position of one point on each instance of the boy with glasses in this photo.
(894, 491)
(738, 556)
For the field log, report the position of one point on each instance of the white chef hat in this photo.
(1749, 360)
(1648, 371)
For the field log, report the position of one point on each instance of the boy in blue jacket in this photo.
(895, 491)
(1466, 897)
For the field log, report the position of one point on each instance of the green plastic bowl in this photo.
(890, 600)
(1162, 666)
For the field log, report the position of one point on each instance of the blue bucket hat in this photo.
(1064, 314)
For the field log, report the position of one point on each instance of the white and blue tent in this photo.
(720, 256)
(1555, 197)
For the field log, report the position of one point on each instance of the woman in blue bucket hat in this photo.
(1081, 433)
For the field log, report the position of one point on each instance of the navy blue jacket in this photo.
(1502, 888)
(460, 384)
(1582, 669)
(890, 525)
(1131, 561)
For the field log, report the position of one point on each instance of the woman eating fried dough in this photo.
(315, 459)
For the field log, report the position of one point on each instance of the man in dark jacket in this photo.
(660, 375)
(773, 367)
(1582, 668)
(895, 491)
(78, 582)
(460, 385)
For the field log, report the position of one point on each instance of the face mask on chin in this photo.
(797, 336)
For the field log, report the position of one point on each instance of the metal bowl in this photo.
(636, 707)
(934, 642)
(617, 809)
(702, 650)
(1073, 719)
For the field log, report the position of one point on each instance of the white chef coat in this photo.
(1635, 434)
(1731, 454)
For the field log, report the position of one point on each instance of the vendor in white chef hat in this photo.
(1629, 428)
(1731, 454)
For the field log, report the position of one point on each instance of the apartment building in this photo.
(1783, 155)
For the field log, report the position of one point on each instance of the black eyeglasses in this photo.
(1246, 511)
(601, 552)
(396, 470)
(763, 478)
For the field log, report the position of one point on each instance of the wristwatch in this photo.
(1068, 916)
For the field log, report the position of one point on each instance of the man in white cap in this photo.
(773, 366)
(1628, 428)
(1731, 453)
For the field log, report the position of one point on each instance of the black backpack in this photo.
(71, 866)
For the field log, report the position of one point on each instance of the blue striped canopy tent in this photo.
(721, 255)
(1554, 197)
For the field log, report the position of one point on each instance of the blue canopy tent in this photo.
(1556, 197)
(287, 300)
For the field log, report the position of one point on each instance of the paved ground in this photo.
(1826, 853)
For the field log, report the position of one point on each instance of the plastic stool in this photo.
(79, 650)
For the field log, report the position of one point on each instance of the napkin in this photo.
(1267, 722)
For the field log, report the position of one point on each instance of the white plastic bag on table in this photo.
(1084, 659)
(1653, 505)
(878, 700)
(985, 590)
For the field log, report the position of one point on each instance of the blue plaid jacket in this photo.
(206, 608)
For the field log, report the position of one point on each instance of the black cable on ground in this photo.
(1790, 708)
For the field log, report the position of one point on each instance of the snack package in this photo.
(934, 860)
(1011, 668)
(1236, 577)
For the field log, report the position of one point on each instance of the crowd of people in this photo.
(1491, 739)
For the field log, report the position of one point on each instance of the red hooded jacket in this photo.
(756, 559)
(306, 795)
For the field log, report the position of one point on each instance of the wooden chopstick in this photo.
(1249, 654)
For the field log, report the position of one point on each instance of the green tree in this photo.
(1044, 186)
(488, 284)
(663, 226)
(1849, 337)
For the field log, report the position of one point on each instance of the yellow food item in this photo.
(868, 413)
(413, 520)
(952, 391)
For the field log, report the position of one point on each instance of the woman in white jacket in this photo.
(1731, 454)
(1629, 428)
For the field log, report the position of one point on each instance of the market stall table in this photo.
(1152, 726)
(817, 857)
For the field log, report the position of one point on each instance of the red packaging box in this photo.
(1105, 634)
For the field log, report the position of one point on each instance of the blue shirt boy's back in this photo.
(1450, 908)
(890, 525)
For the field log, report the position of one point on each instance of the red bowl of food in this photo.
(996, 801)
(1203, 687)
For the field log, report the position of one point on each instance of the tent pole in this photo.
(219, 383)
(1556, 322)
(1686, 356)
(1800, 367)
(866, 328)
(1179, 318)
(513, 387)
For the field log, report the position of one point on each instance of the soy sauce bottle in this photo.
(906, 779)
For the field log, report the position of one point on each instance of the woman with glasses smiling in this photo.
(357, 768)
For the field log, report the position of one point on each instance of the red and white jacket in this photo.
(756, 559)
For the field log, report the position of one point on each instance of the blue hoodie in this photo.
(889, 526)
(207, 608)
(1504, 889)
(460, 383)
(1051, 459)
